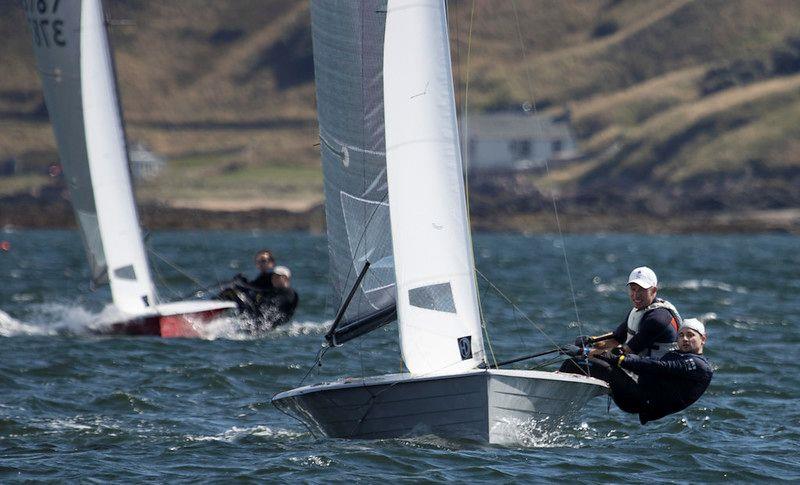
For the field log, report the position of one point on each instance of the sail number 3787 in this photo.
(46, 31)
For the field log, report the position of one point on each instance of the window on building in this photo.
(520, 148)
(558, 145)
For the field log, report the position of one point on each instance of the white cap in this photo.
(695, 325)
(644, 277)
(282, 270)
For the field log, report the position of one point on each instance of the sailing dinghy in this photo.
(395, 200)
(76, 69)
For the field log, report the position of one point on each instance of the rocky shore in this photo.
(28, 212)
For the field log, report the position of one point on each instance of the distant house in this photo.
(516, 141)
(144, 163)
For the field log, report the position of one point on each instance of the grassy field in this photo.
(655, 89)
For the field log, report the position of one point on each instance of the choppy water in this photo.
(74, 406)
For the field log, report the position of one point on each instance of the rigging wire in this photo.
(465, 137)
(532, 102)
(175, 267)
(535, 325)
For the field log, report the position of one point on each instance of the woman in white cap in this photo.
(665, 385)
(649, 329)
(277, 306)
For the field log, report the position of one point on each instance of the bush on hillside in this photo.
(604, 29)
(786, 58)
(738, 73)
(741, 72)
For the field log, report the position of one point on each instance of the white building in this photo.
(516, 141)
(144, 163)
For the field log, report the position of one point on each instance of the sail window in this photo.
(125, 273)
(437, 297)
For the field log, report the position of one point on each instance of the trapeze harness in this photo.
(659, 347)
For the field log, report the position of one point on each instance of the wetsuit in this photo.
(277, 305)
(666, 385)
(652, 331)
(263, 282)
(262, 302)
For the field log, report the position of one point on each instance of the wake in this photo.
(58, 319)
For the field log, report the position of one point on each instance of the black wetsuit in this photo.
(656, 326)
(263, 303)
(263, 282)
(666, 385)
(277, 305)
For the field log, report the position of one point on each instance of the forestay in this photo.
(437, 299)
(73, 56)
(348, 64)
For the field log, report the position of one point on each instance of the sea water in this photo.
(74, 406)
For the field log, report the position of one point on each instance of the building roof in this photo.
(508, 126)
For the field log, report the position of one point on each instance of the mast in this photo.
(437, 299)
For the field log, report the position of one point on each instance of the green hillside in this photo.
(679, 105)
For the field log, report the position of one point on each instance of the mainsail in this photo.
(348, 63)
(438, 309)
(74, 60)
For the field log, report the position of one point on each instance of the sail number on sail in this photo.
(46, 31)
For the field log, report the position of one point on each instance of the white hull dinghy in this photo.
(397, 218)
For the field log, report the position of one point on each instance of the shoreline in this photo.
(28, 212)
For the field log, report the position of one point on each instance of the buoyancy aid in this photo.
(663, 344)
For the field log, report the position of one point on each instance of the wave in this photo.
(691, 284)
(694, 284)
(236, 434)
(49, 319)
(241, 328)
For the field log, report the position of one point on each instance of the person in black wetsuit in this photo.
(268, 299)
(265, 262)
(279, 303)
(649, 329)
(665, 385)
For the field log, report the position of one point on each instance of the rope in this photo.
(507, 299)
(532, 103)
(465, 115)
(175, 267)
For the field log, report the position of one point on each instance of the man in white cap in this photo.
(651, 326)
(665, 385)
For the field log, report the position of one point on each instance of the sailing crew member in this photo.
(649, 329)
(249, 296)
(279, 303)
(265, 263)
(665, 385)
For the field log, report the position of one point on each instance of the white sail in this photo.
(131, 285)
(437, 301)
(73, 54)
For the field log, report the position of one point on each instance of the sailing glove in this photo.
(583, 341)
(572, 350)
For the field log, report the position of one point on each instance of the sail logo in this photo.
(465, 347)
